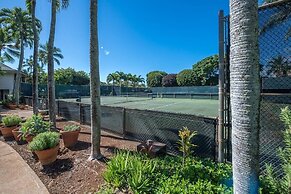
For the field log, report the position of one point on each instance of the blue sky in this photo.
(134, 36)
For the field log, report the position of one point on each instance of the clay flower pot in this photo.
(70, 138)
(29, 138)
(12, 106)
(48, 156)
(17, 134)
(7, 131)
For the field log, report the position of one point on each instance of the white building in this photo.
(7, 78)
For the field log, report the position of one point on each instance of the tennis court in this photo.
(199, 107)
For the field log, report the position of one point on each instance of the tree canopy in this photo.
(206, 70)
(71, 77)
(154, 78)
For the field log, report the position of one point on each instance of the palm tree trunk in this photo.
(51, 80)
(245, 95)
(35, 61)
(94, 84)
(18, 74)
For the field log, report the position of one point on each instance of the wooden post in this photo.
(221, 88)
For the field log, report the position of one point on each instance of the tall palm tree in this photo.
(8, 49)
(55, 5)
(279, 66)
(19, 24)
(31, 4)
(245, 95)
(94, 84)
(43, 54)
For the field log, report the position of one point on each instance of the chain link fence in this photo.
(142, 125)
(275, 62)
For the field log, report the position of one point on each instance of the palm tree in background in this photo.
(55, 5)
(95, 84)
(112, 77)
(43, 55)
(279, 66)
(18, 23)
(31, 5)
(8, 49)
(245, 95)
(282, 15)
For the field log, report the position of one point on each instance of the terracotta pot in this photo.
(70, 138)
(12, 106)
(48, 156)
(17, 134)
(7, 131)
(29, 138)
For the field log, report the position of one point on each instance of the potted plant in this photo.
(70, 134)
(34, 126)
(9, 103)
(10, 122)
(46, 146)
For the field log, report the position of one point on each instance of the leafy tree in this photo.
(95, 84)
(154, 78)
(170, 80)
(71, 77)
(187, 78)
(206, 70)
(245, 95)
(279, 66)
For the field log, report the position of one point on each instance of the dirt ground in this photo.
(72, 173)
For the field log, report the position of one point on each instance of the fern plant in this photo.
(185, 142)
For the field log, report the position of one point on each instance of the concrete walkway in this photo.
(15, 174)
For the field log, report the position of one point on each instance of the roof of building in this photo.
(6, 68)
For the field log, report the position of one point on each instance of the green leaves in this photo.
(139, 174)
(71, 128)
(44, 141)
(269, 183)
(11, 120)
(34, 126)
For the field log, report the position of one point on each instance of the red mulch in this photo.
(72, 173)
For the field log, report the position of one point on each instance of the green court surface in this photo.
(198, 107)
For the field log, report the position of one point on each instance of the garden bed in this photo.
(72, 173)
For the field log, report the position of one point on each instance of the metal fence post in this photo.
(124, 122)
(81, 113)
(221, 89)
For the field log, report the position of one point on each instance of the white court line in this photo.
(165, 105)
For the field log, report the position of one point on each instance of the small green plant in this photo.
(34, 126)
(271, 184)
(44, 141)
(71, 128)
(185, 142)
(137, 173)
(11, 120)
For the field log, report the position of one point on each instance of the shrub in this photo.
(187, 78)
(270, 183)
(169, 80)
(71, 128)
(154, 78)
(35, 125)
(44, 141)
(139, 174)
(185, 141)
(11, 120)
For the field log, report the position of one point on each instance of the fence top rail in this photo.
(273, 4)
